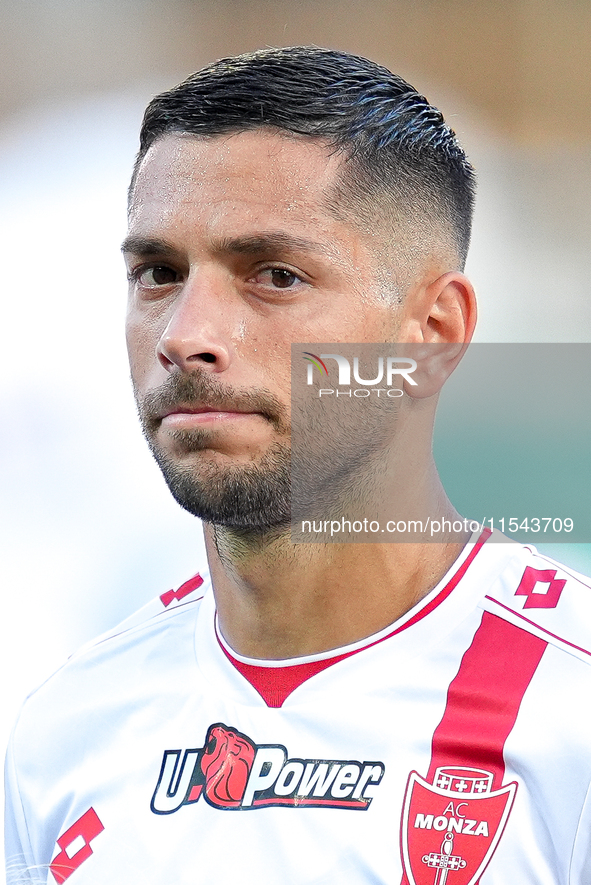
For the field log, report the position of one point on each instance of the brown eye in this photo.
(159, 275)
(283, 279)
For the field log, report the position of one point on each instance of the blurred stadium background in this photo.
(88, 530)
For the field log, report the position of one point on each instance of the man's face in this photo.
(233, 254)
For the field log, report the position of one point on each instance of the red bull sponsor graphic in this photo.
(232, 772)
(451, 828)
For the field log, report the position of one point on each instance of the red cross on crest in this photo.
(540, 598)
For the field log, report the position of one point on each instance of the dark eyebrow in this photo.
(272, 242)
(138, 245)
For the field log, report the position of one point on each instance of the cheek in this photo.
(378, 319)
(274, 359)
(142, 338)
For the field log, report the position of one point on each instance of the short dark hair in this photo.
(394, 139)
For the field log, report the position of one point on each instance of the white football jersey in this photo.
(452, 748)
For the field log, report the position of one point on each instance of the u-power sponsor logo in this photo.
(232, 772)
(386, 371)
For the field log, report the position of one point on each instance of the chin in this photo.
(254, 497)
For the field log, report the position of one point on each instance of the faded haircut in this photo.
(397, 145)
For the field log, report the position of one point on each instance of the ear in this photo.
(438, 325)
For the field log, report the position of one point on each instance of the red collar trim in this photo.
(275, 684)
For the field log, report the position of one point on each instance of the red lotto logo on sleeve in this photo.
(176, 595)
(541, 588)
(75, 845)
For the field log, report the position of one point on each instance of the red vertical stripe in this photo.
(483, 699)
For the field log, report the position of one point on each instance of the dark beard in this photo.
(250, 499)
(328, 468)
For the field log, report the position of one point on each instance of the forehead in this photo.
(265, 172)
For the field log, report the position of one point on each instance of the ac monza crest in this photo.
(451, 828)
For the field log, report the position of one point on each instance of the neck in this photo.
(278, 600)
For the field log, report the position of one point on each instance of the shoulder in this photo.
(88, 714)
(546, 599)
(149, 634)
(179, 600)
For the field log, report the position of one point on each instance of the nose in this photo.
(198, 332)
